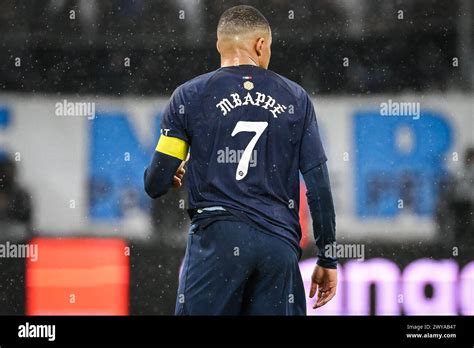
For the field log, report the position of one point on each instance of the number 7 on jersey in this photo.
(248, 126)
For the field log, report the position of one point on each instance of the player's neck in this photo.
(238, 59)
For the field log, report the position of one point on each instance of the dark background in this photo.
(86, 55)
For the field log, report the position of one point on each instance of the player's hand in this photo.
(324, 282)
(178, 176)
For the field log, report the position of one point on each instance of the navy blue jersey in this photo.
(250, 132)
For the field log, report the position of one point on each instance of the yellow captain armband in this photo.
(174, 147)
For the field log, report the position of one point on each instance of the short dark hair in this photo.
(241, 19)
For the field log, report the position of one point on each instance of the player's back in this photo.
(248, 130)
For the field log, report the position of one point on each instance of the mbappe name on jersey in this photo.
(259, 99)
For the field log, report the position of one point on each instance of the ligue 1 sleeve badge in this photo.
(248, 85)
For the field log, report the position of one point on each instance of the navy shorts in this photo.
(231, 268)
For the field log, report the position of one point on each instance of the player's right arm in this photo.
(324, 278)
(315, 173)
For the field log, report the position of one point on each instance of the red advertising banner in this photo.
(78, 276)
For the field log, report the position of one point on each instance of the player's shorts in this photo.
(230, 268)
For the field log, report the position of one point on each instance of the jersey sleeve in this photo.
(174, 121)
(311, 149)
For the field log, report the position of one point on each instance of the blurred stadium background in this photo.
(403, 185)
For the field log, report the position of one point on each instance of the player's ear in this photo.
(259, 46)
(217, 46)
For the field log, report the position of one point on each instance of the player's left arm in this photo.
(167, 166)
